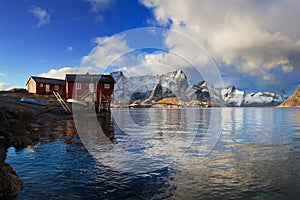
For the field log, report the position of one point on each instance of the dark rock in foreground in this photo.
(10, 184)
(20, 126)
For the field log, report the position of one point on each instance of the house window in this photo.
(106, 86)
(56, 87)
(78, 86)
(41, 85)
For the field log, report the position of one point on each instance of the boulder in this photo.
(10, 184)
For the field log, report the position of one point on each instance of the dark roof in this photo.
(47, 80)
(87, 78)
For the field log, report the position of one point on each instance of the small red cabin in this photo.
(90, 87)
(40, 85)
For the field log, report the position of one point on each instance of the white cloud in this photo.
(3, 86)
(60, 73)
(3, 74)
(129, 52)
(108, 50)
(41, 14)
(99, 5)
(256, 38)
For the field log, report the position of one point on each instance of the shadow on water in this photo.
(66, 130)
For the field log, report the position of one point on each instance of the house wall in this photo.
(106, 93)
(41, 88)
(69, 89)
(73, 93)
(31, 86)
(62, 89)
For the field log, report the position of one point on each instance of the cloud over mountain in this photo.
(253, 38)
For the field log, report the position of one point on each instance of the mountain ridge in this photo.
(149, 89)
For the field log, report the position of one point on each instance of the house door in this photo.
(91, 87)
(47, 88)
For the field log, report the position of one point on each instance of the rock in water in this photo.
(10, 184)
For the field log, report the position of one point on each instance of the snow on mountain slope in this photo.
(130, 89)
(153, 88)
(232, 96)
(264, 98)
(204, 92)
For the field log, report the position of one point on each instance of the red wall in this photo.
(42, 90)
(85, 87)
(105, 92)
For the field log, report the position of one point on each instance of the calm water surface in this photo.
(257, 156)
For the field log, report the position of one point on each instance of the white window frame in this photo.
(56, 87)
(41, 85)
(106, 86)
(78, 86)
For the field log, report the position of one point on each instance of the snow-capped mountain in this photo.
(234, 97)
(204, 92)
(152, 88)
(130, 89)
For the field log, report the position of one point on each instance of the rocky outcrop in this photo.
(11, 125)
(293, 101)
(10, 184)
(19, 127)
(22, 125)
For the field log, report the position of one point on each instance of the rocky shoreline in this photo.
(22, 125)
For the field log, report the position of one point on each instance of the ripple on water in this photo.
(256, 157)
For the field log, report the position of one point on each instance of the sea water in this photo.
(203, 153)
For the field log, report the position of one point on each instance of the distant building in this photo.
(40, 85)
(89, 87)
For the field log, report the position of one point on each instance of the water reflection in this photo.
(139, 140)
(256, 157)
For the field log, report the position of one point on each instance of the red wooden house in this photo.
(40, 85)
(89, 87)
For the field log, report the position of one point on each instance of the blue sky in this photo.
(256, 44)
(32, 46)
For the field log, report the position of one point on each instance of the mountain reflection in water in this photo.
(256, 157)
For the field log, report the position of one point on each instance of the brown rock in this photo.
(3, 119)
(10, 184)
(293, 101)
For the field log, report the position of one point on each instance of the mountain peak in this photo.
(176, 74)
